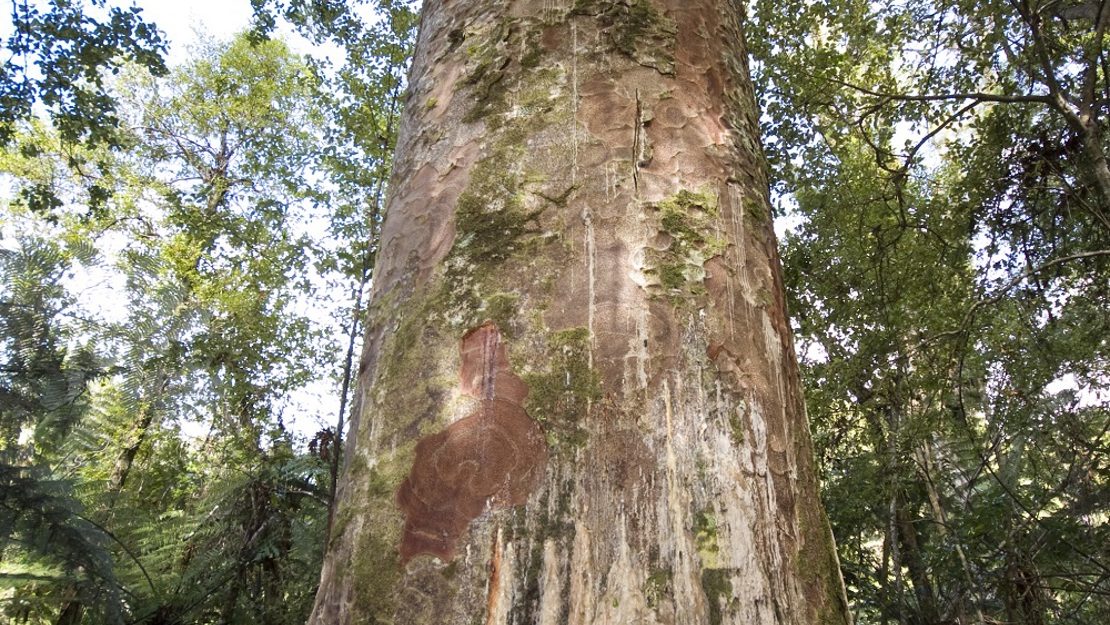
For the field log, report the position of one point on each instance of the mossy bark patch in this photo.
(687, 221)
(705, 533)
(562, 392)
(717, 585)
(374, 561)
(494, 55)
(491, 221)
(658, 585)
(637, 29)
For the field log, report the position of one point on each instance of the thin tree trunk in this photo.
(147, 407)
(578, 400)
(926, 611)
(929, 466)
(73, 610)
(344, 393)
(895, 551)
(359, 313)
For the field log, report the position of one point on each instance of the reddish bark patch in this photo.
(494, 581)
(492, 458)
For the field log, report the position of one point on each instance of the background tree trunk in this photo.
(579, 191)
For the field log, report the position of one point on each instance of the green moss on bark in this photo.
(496, 58)
(717, 585)
(716, 581)
(636, 29)
(687, 218)
(757, 213)
(819, 569)
(560, 395)
(487, 57)
(375, 562)
(497, 216)
(501, 309)
(705, 533)
(491, 222)
(375, 573)
(657, 586)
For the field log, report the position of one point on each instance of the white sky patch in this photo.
(185, 22)
(99, 287)
(1086, 396)
(788, 223)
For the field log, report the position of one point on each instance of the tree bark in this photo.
(578, 400)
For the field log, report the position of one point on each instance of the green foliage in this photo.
(947, 277)
(363, 95)
(944, 164)
(155, 463)
(44, 381)
(59, 57)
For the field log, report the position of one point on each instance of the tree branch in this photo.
(978, 96)
(1002, 291)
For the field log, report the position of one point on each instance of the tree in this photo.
(214, 331)
(44, 380)
(110, 512)
(578, 400)
(60, 58)
(364, 99)
(943, 164)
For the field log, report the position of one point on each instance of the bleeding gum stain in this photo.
(494, 457)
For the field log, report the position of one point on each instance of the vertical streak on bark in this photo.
(586, 217)
(587, 176)
(550, 597)
(496, 588)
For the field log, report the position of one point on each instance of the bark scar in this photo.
(641, 142)
(492, 458)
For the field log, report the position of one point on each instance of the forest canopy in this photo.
(945, 166)
(186, 251)
(184, 256)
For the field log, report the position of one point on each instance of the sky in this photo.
(186, 21)
(182, 20)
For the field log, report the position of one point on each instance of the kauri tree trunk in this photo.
(578, 401)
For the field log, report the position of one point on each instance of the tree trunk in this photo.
(578, 401)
